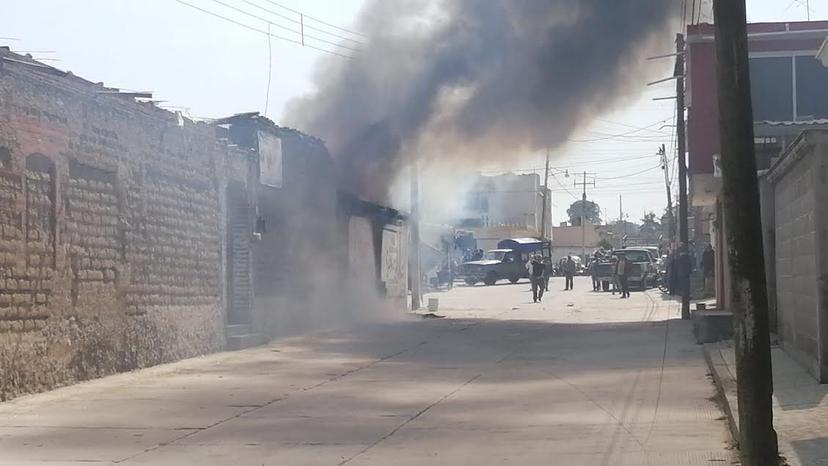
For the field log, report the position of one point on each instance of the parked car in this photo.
(497, 264)
(642, 268)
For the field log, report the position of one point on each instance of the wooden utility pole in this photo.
(684, 246)
(414, 253)
(749, 302)
(545, 201)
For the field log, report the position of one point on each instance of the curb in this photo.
(721, 379)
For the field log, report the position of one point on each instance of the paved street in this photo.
(582, 379)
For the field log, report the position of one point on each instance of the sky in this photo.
(209, 67)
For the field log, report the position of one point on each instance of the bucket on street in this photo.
(433, 304)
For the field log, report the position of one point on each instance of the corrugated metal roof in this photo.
(816, 122)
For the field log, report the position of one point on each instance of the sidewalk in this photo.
(800, 404)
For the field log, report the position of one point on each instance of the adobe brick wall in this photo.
(111, 231)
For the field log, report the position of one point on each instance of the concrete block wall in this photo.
(111, 231)
(800, 210)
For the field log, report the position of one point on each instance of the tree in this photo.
(650, 228)
(588, 209)
(605, 244)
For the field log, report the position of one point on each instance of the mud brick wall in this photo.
(111, 231)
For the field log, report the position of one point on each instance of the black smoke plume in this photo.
(474, 80)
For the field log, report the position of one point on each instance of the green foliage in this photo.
(590, 211)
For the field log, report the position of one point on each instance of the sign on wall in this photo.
(270, 160)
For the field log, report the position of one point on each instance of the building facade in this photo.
(131, 236)
(789, 95)
(506, 206)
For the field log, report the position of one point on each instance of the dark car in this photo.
(497, 264)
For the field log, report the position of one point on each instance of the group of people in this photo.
(541, 268)
(620, 272)
(683, 260)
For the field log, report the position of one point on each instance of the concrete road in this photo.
(582, 379)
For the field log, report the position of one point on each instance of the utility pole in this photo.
(414, 253)
(665, 165)
(583, 208)
(684, 252)
(621, 220)
(545, 195)
(740, 186)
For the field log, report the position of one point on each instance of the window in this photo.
(811, 88)
(494, 256)
(771, 84)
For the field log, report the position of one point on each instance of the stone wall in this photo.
(111, 231)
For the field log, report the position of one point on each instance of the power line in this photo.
(301, 22)
(260, 31)
(642, 128)
(302, 34)
(563, 168)
(316, 19)
(562, 186)
(614, 136)
(657, 167)
(280, 26)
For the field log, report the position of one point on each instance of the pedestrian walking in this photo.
(593, 272)
(621, 271)
(569, 272)
(547, 272)
(537, 277)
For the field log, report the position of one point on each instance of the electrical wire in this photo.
(303, 35)
(642, 128)
(269, 68)
(260, 31)
(300, 22)
(621, 135)
(316, 19)
(693, 13)
(562, 186)
(657, 167)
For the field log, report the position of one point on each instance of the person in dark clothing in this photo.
(622, 272)
(593, 272)
(537, 273)
(547, 272)
(569, 272)
(683, 266)
(708, 263)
